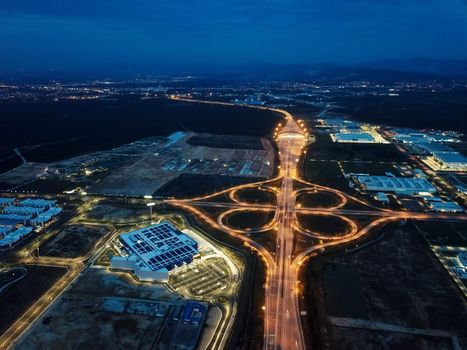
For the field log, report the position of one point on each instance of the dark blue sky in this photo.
(65, 34)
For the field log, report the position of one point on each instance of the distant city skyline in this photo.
(70, 35)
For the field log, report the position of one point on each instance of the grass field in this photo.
(249, 219)
(325, 149)
(253, 195)
(326, 225)
(319, 199)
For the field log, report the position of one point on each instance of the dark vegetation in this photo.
(444, 233)
(323, 173)
(226, 141)
(19, 296)
(319, 199)
(253, 195)
(69, 128)
(422, 109)
(191, 185)
(325, 225)
(8, 160)
(50, 186)
(325, 149)
(249, 219)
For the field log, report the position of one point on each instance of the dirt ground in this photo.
(74, 240)
(19, 296)
(403, 284)
(78, 321)
(357, 339)
(116, 213)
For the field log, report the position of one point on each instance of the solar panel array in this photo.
(161, 246)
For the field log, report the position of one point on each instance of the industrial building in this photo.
(406, 135)
(14, 235)
(14, 219)
(6, 201)
(18, 218)
(353, 137)
(399, 185)
(153, 251)
(20, 210)
(38, 203)
(194, 312)
(446, 207)
(452, 161)
(45, 217)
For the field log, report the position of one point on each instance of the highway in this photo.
(282, 317)
(282, 324)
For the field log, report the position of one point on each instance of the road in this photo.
(282, 318)
(74, 267)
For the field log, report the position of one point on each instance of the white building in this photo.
(155, 250)
(353, 137)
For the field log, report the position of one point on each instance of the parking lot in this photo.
(202, 278)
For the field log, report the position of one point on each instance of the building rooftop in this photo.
(8, 201)
(160, 246)
(37, 202)
(353, 137)
(15, 235)
(395, 184)
(454, 157)
(432, 147)
(446, 207)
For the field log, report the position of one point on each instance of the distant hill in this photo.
(440, 67)
(417, 69)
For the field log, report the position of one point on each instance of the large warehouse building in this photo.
(400, 185)
(353, 137)
(453, 161)
(155, 250)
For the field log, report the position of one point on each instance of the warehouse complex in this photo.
(432, 148)
(151, 252)
(18, 218)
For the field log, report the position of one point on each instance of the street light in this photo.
(150, 205)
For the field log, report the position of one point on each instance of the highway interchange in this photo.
(282, 324)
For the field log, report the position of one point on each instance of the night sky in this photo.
(64, 34)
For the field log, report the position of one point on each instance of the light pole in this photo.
(150, 205)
